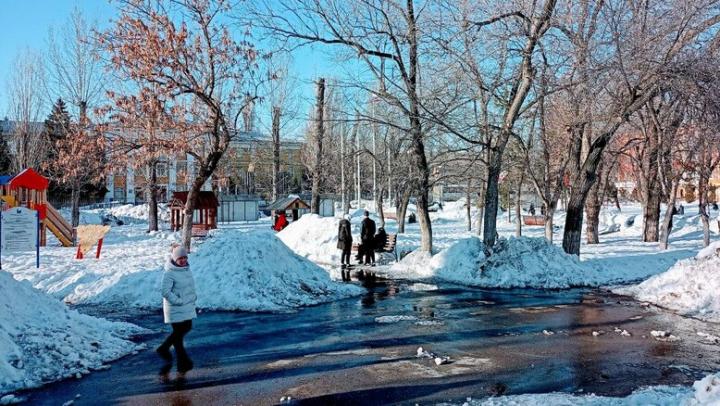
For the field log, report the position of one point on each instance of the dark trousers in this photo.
(345, 256)
(176, 338)
(368, 251)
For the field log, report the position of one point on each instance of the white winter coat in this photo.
(178, 292)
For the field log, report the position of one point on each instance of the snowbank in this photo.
(135, 214)
(255, 271)
(314, 238)
(516, 263)
(704, 392)
(690, 287)
(233, 269)
(41, 340)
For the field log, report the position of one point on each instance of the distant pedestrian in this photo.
(345, 240)
(542, 209)
(280, 222)
(532, 209)
(681, 210)
(179, 297)
(367, 236)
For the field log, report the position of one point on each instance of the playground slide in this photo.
(59, 226)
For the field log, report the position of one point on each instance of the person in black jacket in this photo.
(380, 240)
(367, 236)
(345, 241)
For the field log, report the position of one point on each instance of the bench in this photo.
(199, 231)
(534, 220)
(390, 246)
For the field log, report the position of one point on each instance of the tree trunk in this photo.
(481, 208)
(593, 204)
(379, 207)
(276, 113)
(491, 204)
(518, 209)
(425, 225)
(549, 214)
(401, 210)
(467, 206)
(667, 220)
(190, 205)
(152, 199)
(651, 216)
(319, 134)
(702, 208)
(75, 210)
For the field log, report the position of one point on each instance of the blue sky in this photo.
(25, 24)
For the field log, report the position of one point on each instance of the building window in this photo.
(161, 169)
(119, 194)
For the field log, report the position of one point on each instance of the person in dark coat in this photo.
(532, 209)
(345, 240)
(367, 236)
(380, 239)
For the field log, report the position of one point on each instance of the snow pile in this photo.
(233, 269)
(707, 391)
(704, 392)
(41, 340)
(690, 287)
(314, 238)
(255, 271)
(134, 214)
(516, 263)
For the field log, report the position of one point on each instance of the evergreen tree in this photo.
(57, 123)
(57, 126)
(5, 159)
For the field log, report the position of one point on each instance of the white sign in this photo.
(19, 230)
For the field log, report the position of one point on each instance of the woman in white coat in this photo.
(178, 292)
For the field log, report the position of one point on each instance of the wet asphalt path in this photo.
(338, 353)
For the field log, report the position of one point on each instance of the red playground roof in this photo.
(29, 179)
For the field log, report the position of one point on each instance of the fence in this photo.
(238, 210)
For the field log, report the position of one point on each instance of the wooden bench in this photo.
(390, 246)
(534, 220)
(200, 231)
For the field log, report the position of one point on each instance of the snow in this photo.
(234, 270)
(394, 319)
(516, 263)
(690, 287)
(703, 392)
(41, 340)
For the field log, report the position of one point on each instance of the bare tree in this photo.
(374, 31)
(204, 77)
(28, 144)
(318, 136)
(640, 55)
(75, 71)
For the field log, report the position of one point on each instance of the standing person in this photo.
(345, 240)
(367, 235)
(281, 222)
(532, 209)
(179, 297)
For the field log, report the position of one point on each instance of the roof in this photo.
(286, 203)
(206, 199)
(29, 179)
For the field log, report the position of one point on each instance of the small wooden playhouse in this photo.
(204, 216)
(29, 189)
